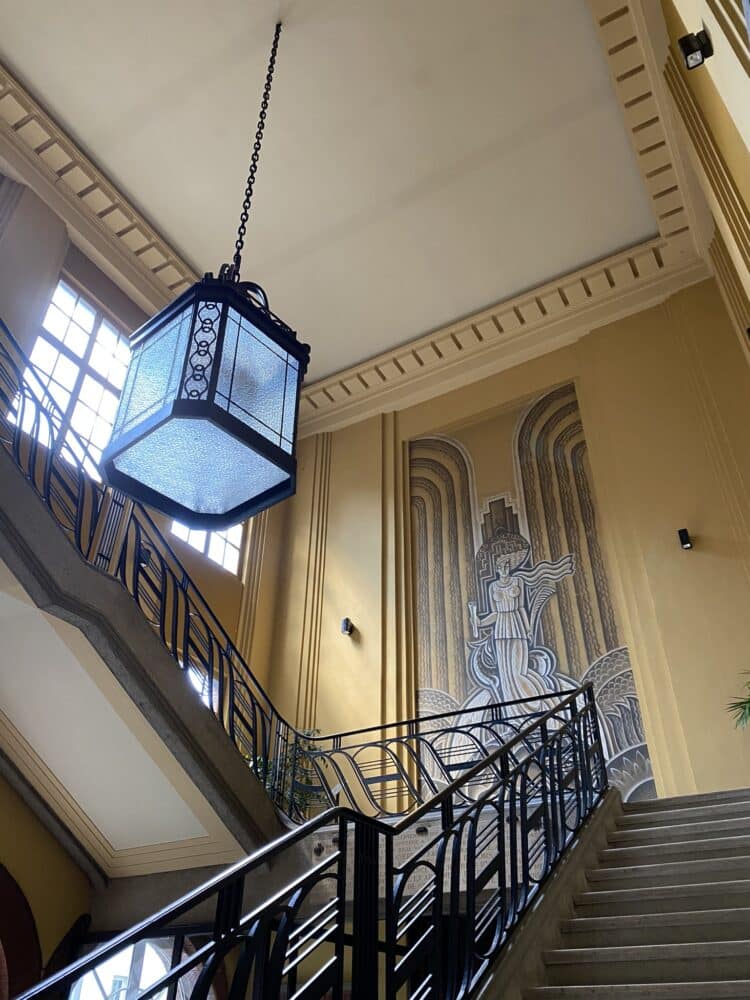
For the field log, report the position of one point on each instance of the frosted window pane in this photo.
(154, 375)
(199, 466)
(251, 378)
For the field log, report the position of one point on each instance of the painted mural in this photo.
(512, 595)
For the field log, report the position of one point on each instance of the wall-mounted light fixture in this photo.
(685, 540)
(347, 626)
(695, 49)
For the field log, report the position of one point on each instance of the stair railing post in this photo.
(365, 911)
(604, 777)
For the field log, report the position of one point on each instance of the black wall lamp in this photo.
(695, 49)
(685, 540)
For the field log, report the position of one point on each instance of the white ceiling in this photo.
(423, 158)
(62, 699)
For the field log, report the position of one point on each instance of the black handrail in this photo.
(439, 915)
(386, 770)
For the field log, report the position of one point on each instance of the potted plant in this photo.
(740, 708)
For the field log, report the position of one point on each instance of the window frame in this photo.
(204, 551)
(82, 362)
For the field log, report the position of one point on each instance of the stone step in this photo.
(688, 850)
(653, 963)
(707, 870)
(738, 989)
(657, 928)
(713, 829)
(687, 814)
(605, 902)
(688, 801)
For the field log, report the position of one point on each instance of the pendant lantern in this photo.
(207, 422)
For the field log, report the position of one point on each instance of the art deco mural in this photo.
(511, 591)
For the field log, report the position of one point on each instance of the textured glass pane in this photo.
(251, 378)
(199, 466)
(154, 373)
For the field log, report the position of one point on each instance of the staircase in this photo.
(666, 912)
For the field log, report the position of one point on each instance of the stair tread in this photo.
(723, 843)
(676, 917)
(695, 813)
(647, 952)
(688, 801)
(721, 827)
(648, 892)
(665, 867)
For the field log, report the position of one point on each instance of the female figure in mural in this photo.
(508, 663)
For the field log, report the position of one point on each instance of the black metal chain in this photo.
(240, 243)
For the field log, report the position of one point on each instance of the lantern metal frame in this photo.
(194, 397)
(249, 301)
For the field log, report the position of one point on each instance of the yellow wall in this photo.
(665, 398)
(714, 110)
(56, 889)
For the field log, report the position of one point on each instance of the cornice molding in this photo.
(635, 58)
(514, 331)
(120, 240)
(99, 218)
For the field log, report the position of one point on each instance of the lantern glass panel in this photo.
(257, 381)
(199, 466)
(154, 374)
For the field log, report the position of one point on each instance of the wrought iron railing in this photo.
(420, 908)
(385, 771)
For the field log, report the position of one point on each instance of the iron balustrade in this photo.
(385, 770)
(419, 908)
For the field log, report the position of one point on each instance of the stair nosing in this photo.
(588, 923)
(648, 952)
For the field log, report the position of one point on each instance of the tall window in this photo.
(223, 547)
(81, 359)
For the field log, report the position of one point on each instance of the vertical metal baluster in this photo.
(365, 911)
(339, 942)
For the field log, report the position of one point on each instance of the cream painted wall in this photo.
(665, 398)
(33, 244)
(36, 861)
